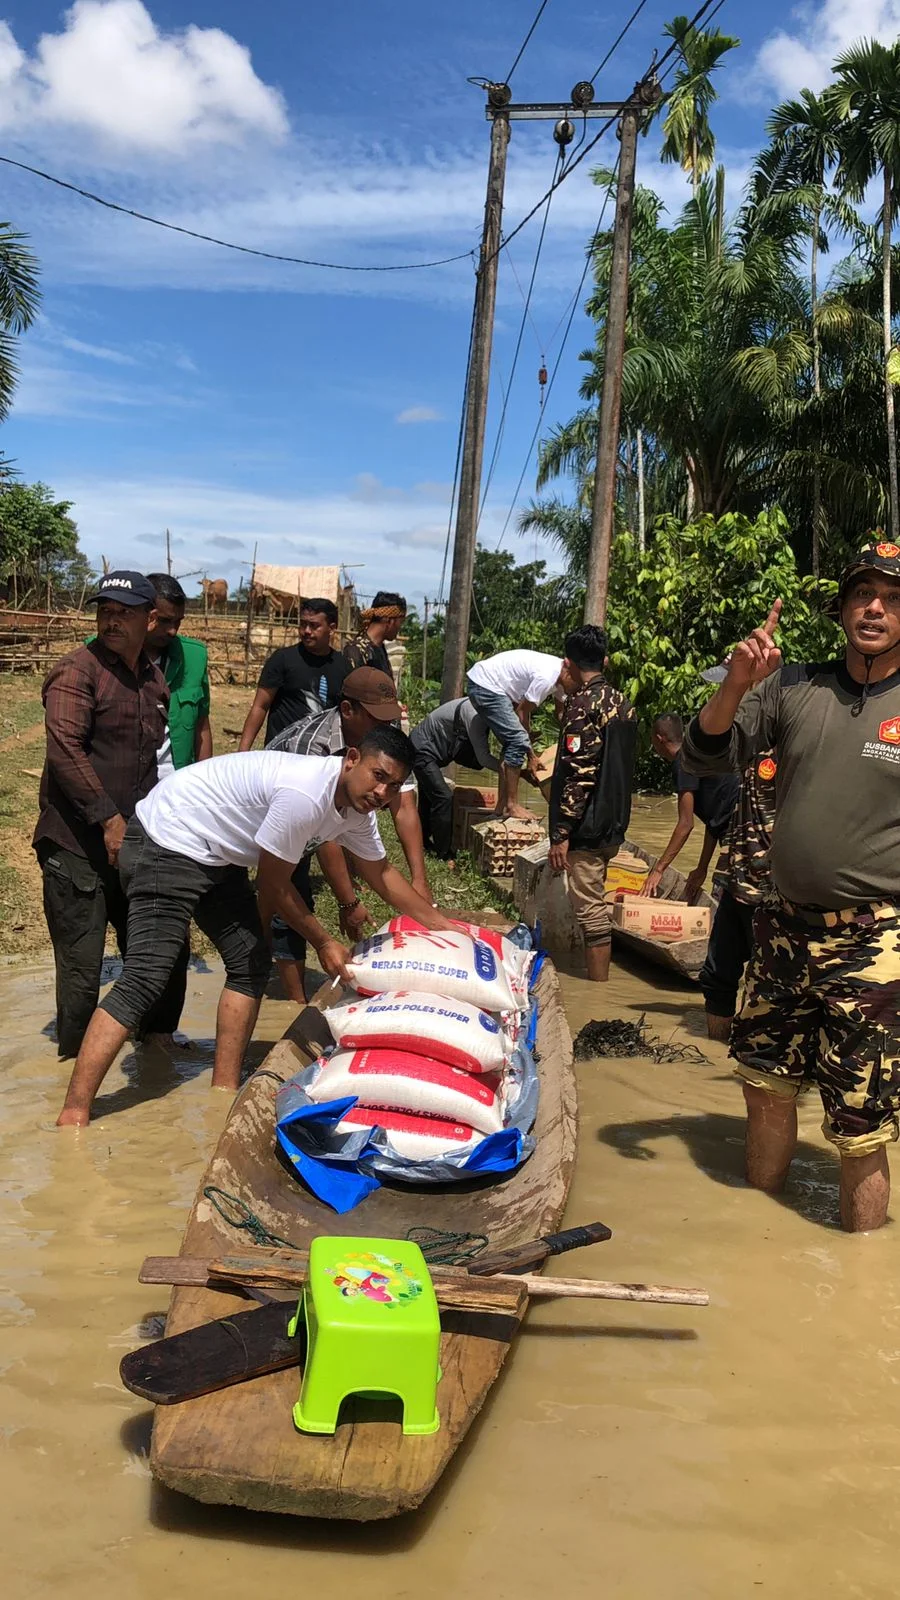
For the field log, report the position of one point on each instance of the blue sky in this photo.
(240, 401)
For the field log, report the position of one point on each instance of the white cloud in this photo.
(400, 548)
(113, 74)
(802, 57)
(97, 352)
(418, 414)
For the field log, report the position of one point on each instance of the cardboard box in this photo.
(466, 800)
(546, 761)
(625, 873)
(669, 921)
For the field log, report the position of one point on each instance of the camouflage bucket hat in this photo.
(880, 555)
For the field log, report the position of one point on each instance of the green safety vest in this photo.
(187, 674)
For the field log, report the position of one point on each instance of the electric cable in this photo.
(527, 39)
(615, 45)
(502, 421)
(464, 408)
(589, 256)
(227, 244)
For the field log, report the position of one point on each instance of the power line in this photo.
(459, 450)
(227, 244)
(556, 366)
(527, 39)
(515, 360)
(615, 45)
(692, 24)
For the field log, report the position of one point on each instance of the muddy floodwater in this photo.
(749, 1448)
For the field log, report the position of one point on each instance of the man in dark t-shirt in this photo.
(299, 680)
(712, 799)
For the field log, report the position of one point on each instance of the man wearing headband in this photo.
(378, 625)
(822, 998)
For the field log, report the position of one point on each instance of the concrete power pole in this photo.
(459, 603)
(646, 94)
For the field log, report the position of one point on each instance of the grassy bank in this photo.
(22, 927)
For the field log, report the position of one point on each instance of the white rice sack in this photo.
(401, 1082)
(516, 963)
(450, 964)
(414, 1138)
(427, 1024)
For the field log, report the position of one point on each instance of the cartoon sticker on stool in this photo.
(376, 1278)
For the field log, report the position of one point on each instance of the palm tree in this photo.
(689, 139)
(865, 104)
(805, 149)
(19, 302)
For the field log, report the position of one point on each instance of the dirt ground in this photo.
(22, 927)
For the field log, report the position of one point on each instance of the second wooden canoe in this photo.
(685, 956)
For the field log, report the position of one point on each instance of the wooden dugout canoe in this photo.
(685, 956)
(239, 1446)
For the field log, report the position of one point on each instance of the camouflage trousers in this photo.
(822, 1007)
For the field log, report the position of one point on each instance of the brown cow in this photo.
(214, 591)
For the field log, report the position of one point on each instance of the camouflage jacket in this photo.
(745, 863)
(361, 652)
(590, 797)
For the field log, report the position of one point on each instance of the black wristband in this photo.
(348, 905)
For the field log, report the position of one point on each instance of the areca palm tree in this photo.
(688, 136)
(803, 151)
(864, 102)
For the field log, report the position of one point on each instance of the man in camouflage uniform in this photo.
(590, 793)
(378, 625)
(745, 881)
(822, 998)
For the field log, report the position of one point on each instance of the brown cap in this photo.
(374, 690)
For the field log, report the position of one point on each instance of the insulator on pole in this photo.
(564, 132)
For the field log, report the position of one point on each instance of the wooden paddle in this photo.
(252, 1343)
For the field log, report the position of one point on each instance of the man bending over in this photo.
(187, 852)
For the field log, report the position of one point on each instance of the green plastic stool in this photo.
(373, 1327)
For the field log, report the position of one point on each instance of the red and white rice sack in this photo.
(516, 963)
(396, 1081)
(451, 964)
(415, 1138)
(428, 1025)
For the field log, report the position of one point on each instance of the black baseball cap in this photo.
(126, 588)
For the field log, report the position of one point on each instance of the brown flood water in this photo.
(750, 1448)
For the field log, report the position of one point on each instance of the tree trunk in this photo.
(887, 226)
(642, 526)
(817, 386)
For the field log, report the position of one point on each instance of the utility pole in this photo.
(168, 553)
(500, 112)
(425, 642)
(459, 605)
(646, 94)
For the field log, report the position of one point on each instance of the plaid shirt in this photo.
(104, 727)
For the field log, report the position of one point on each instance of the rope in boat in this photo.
(237, 1214)
(442, 1249)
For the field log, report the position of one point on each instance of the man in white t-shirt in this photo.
(506, 689)
(186, 853)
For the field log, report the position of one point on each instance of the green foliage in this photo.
(39, 544)
(19, 303)
(700, 589)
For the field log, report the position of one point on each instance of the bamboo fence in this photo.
(31, 641)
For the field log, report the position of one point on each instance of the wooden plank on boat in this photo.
(685, 956)
(239, 1446)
